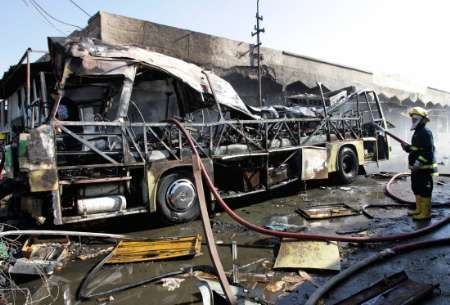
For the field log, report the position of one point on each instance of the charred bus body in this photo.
(87, 137)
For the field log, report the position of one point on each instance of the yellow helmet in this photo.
(419, 111)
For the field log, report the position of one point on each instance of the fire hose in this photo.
(390, 193)
(311, 236)
(388, 190)
(298, 235)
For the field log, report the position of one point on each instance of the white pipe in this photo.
(67, 233)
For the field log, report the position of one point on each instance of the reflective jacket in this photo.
(422, 150)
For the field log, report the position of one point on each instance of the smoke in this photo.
(439, 125)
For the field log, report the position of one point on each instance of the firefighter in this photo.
(421, 163)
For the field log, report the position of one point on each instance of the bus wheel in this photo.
(177, 199)
(347, 166)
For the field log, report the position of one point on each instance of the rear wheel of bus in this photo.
(347, 167)
(176, 198)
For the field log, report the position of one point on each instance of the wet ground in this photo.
(427, 265)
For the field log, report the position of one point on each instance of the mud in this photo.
(428, 265)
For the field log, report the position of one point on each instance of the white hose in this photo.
(66, 233)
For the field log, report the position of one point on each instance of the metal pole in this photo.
(257, 32)
(44, 97)
(258, 43)
(28, 81)
(33, 112)
(325, 112)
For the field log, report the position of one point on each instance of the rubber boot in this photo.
(425, 209)
(417, 210)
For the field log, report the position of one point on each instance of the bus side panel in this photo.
(41, 159)
(314, 163)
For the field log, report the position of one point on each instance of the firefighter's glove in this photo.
(406, 147)
(417, 165)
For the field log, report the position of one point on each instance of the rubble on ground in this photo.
(267, 270)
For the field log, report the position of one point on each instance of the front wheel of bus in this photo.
(177, 199)
(347, 166)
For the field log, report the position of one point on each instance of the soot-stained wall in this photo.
(284, 73)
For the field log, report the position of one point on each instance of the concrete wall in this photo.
(284, 73)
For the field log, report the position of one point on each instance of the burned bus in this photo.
(87, 136)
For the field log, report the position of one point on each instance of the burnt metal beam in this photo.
(315, 131)
(90, 145)
(141, 155)
(350, 129)
(291, 133)
(199, 147)
(325, 114)
(162, 142)
(108, 165)
(245, 136)
(336, 130)
(57, 210)
(278, 128)
(93, 181)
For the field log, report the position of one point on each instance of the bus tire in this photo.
(176, 198)
(347, 167)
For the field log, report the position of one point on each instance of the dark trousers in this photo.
(422, 183)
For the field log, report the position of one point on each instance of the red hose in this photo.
(301, 235)
(388, 191)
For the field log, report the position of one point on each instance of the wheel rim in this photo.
(180, 195)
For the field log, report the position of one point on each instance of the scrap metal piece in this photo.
(396, 289)
(374, 290)
(407, 293)
(281, 223)
(39, 248)
(328, 211)
(234, 254)
(141, 251)
(32, 267)
(41, 256)
(211, 287)
(308, 254)
(285, 227)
